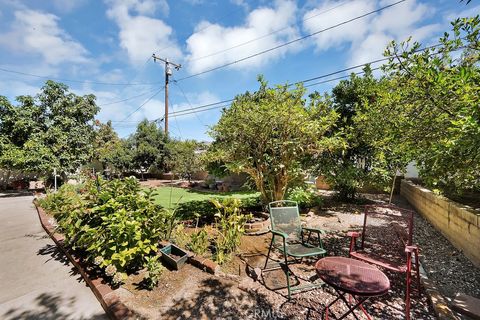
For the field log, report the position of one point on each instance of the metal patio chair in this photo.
(288, 236)
(402, 254)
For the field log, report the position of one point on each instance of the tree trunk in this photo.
(393, 187)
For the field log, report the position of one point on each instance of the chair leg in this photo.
(407, 288)
(269, 250)
(288, 275)
(407, 297)
(417, 270)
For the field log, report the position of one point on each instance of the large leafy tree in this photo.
(148, 146)
(357, 163)
(113, 153)
(184, 157)
(268, 133)
(430, 107)
(51, 130)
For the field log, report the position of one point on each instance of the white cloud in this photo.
(212, 38)
(468, 12)
(367, 37)
(35, 32)
(68, 6)
(315, 21)
(141, 35)
(396, 23)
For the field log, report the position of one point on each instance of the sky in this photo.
(105, 48)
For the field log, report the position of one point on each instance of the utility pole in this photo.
(168, 73)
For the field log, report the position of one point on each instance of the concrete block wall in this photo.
(460, 224)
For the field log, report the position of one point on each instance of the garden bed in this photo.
(191, 293)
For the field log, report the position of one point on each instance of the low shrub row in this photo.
(114, 224)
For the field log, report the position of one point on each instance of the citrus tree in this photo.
(268, 134)
(430, 106)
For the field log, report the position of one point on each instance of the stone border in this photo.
(107, 296)
(258, 228)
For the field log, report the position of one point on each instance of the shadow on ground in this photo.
(217, 299)
(47, 307)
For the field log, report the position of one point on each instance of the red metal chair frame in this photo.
(404, 266)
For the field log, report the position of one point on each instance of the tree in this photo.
(268, 133)
(113, 153)
(355, 165)
(51, 130)
(148, 145)
(184, 157)
(429, 107)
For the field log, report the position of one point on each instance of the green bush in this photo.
(199, 242)
(154, 271)
(206, 210)
(114, 223)
(305, 196)
(230, 224)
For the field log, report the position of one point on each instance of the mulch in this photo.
(191, 293)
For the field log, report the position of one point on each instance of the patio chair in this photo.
(288, 236)
(395, 243)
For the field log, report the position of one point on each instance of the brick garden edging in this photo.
(107, 296)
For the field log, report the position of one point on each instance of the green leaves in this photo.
(51, 130)
(230, 224)
(267, 134)
(115, 222)
(431, 103)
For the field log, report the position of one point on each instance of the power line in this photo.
(215, 105)
(144, 103)
(127, 99)
(73, 80)
(188, 101)
(268, 34)
(314, 78)
(187, 111)
(292, 41)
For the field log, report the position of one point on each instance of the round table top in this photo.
(352, 276)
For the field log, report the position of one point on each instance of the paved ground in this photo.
(36, 280)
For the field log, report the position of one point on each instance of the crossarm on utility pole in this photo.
(168, 73)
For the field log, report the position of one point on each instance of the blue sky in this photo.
(104, 47)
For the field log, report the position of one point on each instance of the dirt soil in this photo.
(193, 294)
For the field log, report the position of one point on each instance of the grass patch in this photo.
(182, 195)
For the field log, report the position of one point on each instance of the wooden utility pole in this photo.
(168, 73)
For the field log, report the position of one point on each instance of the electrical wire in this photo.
(291, 41)
(268, 34)
(188, 101)
(144, 103)
(127, 99)
(215, 104)
(73, 80)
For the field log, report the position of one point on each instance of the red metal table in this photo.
(356, 278)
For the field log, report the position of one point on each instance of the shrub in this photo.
(154, 271)
(206, 210)
(113, 223)
(199, 242)
(180, 237)
(230, 224)
(305, 196)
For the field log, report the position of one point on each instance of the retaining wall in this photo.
(460, 224)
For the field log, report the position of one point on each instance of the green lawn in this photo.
(181, 195)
